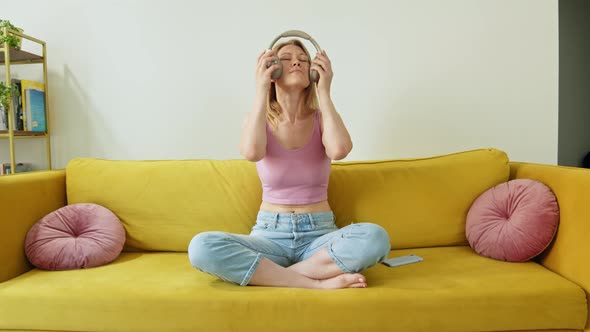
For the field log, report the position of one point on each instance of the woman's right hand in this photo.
(263, 72)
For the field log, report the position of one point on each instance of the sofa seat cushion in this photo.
(453, 289)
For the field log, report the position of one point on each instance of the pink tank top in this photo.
(298, 176)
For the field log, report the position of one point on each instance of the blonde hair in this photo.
(273, 108)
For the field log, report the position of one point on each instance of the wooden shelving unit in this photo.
(10, 56)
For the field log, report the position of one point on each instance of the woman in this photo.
(295, 242)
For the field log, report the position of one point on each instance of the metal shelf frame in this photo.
(11, 56)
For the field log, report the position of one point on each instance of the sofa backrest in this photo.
(163, 204)
(420, 202)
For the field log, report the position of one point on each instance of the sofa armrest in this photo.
(570, 250)
(24, 199)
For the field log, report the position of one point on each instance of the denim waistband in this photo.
(315, 217)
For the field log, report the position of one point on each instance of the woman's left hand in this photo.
(322, 64)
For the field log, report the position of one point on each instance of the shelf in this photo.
(22, 134)
(19, 57)
(11, 56)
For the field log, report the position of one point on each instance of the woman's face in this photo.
(295, 67)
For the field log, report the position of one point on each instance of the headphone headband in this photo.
(296, 33)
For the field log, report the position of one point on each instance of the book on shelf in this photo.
(35, 110)
(20, 167)
(3, 118)
(17, 106)
(33, 101)
(28, 107)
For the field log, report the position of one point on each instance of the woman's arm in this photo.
(253, 139)
(335, 136)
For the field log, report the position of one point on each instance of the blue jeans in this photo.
(288, 238)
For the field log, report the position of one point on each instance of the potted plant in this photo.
(13, 41)
(5, 92)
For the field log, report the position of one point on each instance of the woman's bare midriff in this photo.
(322, 206)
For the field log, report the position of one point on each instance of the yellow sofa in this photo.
(421, 202)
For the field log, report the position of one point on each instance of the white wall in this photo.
(174, 79)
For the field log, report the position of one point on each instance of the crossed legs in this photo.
(318, 271)
(331, 261)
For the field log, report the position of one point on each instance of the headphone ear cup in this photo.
(276, 74)
(314, 76)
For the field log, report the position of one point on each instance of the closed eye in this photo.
(289, 59)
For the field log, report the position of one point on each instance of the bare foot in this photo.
(319, 266)
(344, 280)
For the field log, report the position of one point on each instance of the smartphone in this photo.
(402, 260)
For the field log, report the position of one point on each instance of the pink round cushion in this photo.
(513, 221)
(75, 236)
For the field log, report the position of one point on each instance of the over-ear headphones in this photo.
(314, 76)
